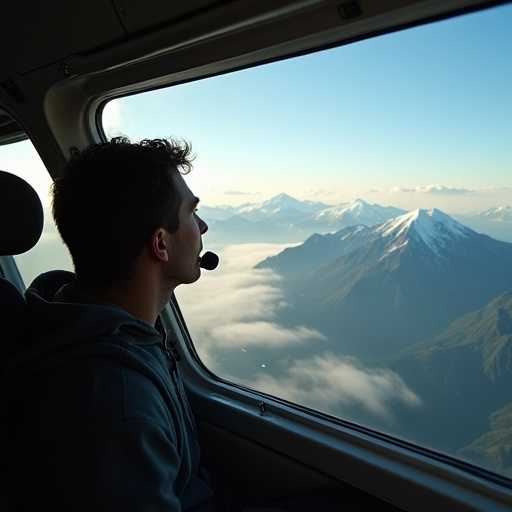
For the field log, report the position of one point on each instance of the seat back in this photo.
(21, 225)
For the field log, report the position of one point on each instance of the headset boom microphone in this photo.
(209, 261)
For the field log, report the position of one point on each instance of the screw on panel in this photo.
(350, 10)
(263, 408)
(64, 68)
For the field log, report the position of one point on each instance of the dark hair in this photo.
(111, 196)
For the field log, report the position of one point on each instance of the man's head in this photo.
(110, 199)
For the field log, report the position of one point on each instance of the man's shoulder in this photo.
(98, 389)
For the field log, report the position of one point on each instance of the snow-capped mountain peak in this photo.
(358, 212)
(280, 204)
(498, 213)
(357, 205)
(432, 227)
(283, 202)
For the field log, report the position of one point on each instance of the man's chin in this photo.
(193, 277)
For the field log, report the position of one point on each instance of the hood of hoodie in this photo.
(69, 323)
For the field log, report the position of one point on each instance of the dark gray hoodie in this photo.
(102, 422)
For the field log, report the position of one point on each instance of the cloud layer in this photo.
(330, 383)
(233, 315)
(446, 190)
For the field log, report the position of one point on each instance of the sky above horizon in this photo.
(420, 118)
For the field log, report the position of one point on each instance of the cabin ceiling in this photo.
(36, 33)
(74, 27)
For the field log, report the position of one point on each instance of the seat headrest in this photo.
(21, 215)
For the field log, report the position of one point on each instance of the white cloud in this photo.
(234, 310)
(318, 192)
(432, 189)
(237, 305)
(447, 190)
(328, 382)
(239, 193)
(262, 334)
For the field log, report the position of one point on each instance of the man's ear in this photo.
(159, 244)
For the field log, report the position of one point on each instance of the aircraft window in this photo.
(22, 159)
(361, 203)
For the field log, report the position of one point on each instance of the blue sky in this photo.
(418, 118)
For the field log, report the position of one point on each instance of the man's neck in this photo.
(143, 302)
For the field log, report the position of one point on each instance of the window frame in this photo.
(401, 473)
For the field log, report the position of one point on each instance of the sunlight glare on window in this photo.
(22, 159)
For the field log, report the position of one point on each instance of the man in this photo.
(105, 424)
(99, 419)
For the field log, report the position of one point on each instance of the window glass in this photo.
(49, 253)
(360, 200)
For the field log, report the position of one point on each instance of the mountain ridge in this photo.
(283, 218)
(412, 276)
(464, 372)
(487, 332)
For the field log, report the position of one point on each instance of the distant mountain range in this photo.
(495, 222)
(286, 219)
(377, 290)
(498, 213)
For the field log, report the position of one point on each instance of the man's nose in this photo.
(203, 227)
